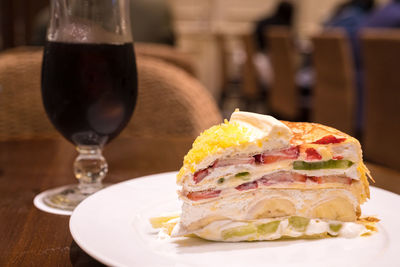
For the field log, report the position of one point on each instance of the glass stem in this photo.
(90, 168)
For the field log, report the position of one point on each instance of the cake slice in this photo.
(257, 178)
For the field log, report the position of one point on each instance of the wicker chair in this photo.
(170, 103)
(168, 54)
(22, 115)
(381, 53)
(334, 93)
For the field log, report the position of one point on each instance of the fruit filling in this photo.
(269, 180)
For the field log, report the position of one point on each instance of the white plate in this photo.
(112, 226)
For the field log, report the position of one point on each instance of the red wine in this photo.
(89, 90)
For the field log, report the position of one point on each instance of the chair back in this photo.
(381, 53)
(168, 54)
(284, 96)
(334, 90)
(170, 101)
(250, 87)
(22, 114)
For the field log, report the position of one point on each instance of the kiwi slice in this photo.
(239, 231)
(329, 164)
(268, 228)
(299, 223)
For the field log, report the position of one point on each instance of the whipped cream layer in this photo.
(272, 229)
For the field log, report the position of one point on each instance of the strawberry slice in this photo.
(315, 179)
(247, 186)
(290, 153)
(297, 177)
(198, 195)
(200, 175)
(258, 158)
(329, 139)
(312, 154)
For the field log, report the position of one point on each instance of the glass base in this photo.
(62, 200)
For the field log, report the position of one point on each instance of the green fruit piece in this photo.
(243, 175)
(329, 164)
(299, 223)
(221, 180)
(239, 231)
(268, 228)
(335, 227)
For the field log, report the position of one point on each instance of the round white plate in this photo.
(112, 226)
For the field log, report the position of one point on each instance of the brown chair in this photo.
(168, 54)
(250, 87)
(381, 53)
(22, 115)
(334, 91)
(284, 96)
(170, 102)
(220, 41)
(249, 90)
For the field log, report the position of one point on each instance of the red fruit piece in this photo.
(315, 179)
(290, 153)
(200, 175)
(258, 158)
(247, 186)
(312, 154)
(297, 177)
(198, 195)
(329, 139)
(338, 157)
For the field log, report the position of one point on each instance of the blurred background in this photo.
(335, 62)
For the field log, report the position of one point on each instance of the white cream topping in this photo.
(262, 126)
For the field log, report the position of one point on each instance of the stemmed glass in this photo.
(89, 85)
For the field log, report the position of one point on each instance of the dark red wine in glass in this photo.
(89, 87)
(89, 90)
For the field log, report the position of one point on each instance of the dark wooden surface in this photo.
(30, 237)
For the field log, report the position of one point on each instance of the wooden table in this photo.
(30, 237)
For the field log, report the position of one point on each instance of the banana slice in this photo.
(338, 209)
(273, 207)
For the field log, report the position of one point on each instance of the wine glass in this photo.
(89, 85)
